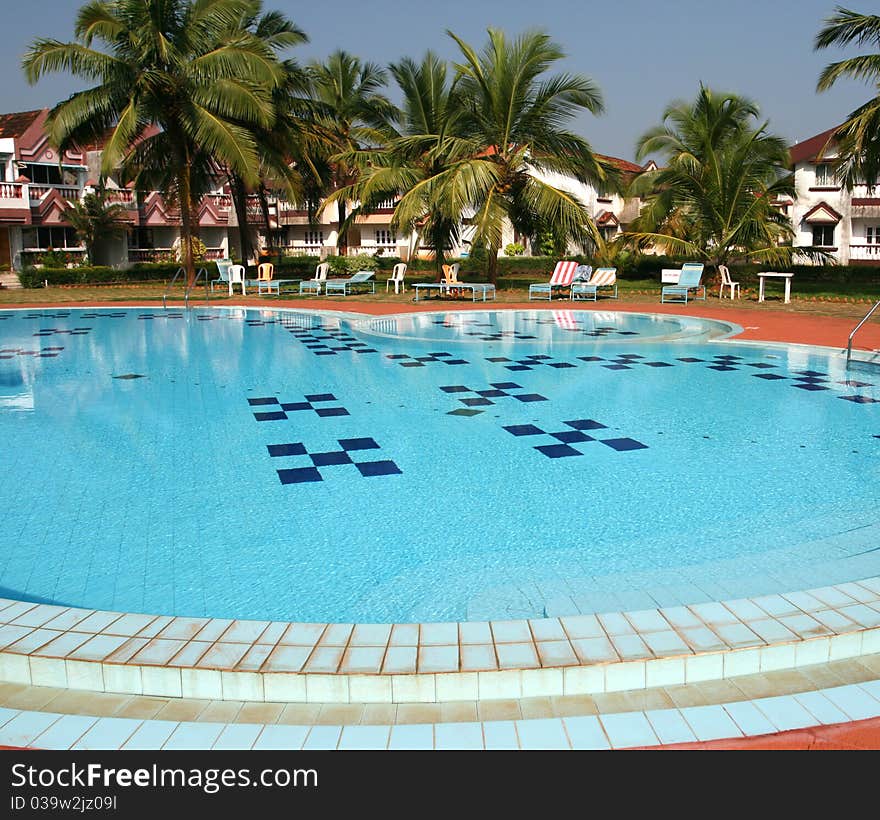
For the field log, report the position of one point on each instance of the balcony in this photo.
(11, 190)
(38, 192)
(168, 254)
(120, 196)
(865, 253)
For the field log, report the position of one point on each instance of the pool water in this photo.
(293, 466)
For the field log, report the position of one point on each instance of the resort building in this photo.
(824, 214)
(36, 191)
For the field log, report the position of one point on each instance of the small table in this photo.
(429, 286)
(769, 274)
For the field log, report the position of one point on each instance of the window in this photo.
(314, 237)
(825, 176)
(385, 238)
(55, 236)
(140, 238)
(43, 174)
(872, 235)
(823, 236)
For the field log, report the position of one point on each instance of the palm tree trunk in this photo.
(437, 239)
(184, 188)
(264, 208)
(492, 269)
(239, 202)
(342, 238)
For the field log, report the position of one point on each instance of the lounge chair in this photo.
(562, 277)
(726, 282)
(397, 278)
(688, 280)
(601, 278)
(223, 266)
(361, 278)
(314, 285)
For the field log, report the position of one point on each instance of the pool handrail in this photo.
(856, 329)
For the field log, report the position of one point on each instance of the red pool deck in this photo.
(759, 324)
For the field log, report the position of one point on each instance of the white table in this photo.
(769, 274)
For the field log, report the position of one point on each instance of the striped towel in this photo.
(563, 274)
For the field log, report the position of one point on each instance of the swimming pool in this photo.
(292, 466)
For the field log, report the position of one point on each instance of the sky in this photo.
(641, 53)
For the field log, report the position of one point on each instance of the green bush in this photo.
(98, 275)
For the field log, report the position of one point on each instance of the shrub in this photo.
(514, 249)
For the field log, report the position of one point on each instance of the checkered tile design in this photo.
(333, 458)
(47, 315)
(280, 409)
(405, 360)
(572, 325)
(529, 362)
(43, 353)
(486, 397)
(54, 331)
(325, 339)
(564, 439)
(162, 315)
(104, 315)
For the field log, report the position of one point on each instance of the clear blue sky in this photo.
(642, 54)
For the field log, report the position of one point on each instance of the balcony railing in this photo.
(168, 254)
(382, 249)
(865, 253)
(10, 190)
(121, 196)
(69, 192)
(150, 254)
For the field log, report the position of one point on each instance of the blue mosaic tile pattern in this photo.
(573, 436)
(484, 398)
(280, 409)
(361, 447)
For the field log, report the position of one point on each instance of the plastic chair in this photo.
(726, 282)
(223, 266)
(315, 284)
(397, 278)
(237, 274)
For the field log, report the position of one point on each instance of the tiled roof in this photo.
(808, 150)
(16, 123)
(624, 165)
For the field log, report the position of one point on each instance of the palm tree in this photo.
(513, 120)
(714, 199)
(177, 82)
(859, 137)
(289, 133)
(427, 141)
(353, 115)
(94, 219)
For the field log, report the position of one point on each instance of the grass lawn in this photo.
(817, 298)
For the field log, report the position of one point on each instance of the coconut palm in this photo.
(94, 219)
(714, 198)
(426, 142)
(859, 137)
(513, 121)
(274, 143)
(177, 84)
(354, 114)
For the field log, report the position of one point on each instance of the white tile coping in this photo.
(621, 730)
(223, 659)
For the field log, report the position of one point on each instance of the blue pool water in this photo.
(282, 465)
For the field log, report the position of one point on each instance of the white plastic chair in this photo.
(237, 274)
(315, 284)
(726, 282)
(397, 278)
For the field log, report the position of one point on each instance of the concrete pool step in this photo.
(429, 663)
(756, 706)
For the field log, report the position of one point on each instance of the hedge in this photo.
(535, 267)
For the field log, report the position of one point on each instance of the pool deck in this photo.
(443, 665)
